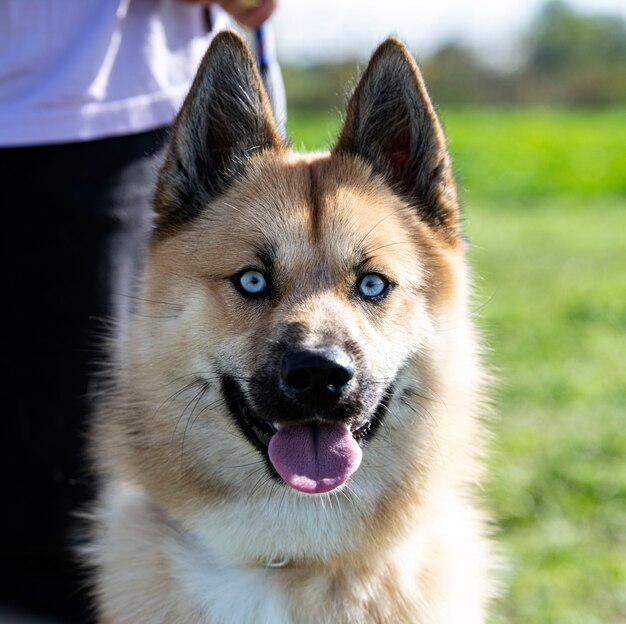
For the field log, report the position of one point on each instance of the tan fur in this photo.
(184, 492)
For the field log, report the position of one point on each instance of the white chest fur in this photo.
(154, 572)
(233, 594)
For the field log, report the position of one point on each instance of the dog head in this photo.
(301, 314)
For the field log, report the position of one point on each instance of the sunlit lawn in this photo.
(552, 286)
(545, 210)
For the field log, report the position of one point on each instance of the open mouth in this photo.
(312, 457)
(260, 431)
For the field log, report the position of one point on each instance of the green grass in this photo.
(544, 194)
(516, 154)
(528, 154)
(553, 293)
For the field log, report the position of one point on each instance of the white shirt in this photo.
(75, 70)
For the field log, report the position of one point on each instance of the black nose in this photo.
(317, 377)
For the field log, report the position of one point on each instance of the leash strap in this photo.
(271, 74)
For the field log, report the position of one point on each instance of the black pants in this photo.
(75, 219)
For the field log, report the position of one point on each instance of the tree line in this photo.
(565, 58)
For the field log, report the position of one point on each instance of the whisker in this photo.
(369, 251)
(174, 396)
(387, 216)
(253, 463)
(191, 420)
(136, 298)
(195, 397)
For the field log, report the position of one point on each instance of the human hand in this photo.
(248, 13)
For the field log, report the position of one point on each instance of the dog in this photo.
(294, 426)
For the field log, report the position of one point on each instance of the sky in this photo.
(319, 30)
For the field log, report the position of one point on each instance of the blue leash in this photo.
(271, 74)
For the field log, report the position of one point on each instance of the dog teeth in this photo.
(362, 429)
(358, 425)
(276, 425)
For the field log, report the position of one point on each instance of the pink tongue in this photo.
(314, 458)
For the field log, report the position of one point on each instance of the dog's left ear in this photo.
(391, 123)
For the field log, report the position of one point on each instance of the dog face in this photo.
(300, 315)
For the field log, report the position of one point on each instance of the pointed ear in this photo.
(224, 119)
(391, 124)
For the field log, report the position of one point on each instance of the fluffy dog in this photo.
(293, 431)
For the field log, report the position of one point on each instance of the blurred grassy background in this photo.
(544, 195)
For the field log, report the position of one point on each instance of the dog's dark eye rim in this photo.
(386, 286)
(263, 292)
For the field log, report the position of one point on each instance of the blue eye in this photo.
(252, 283)
(372, 285)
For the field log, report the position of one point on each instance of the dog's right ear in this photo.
(225, 118)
